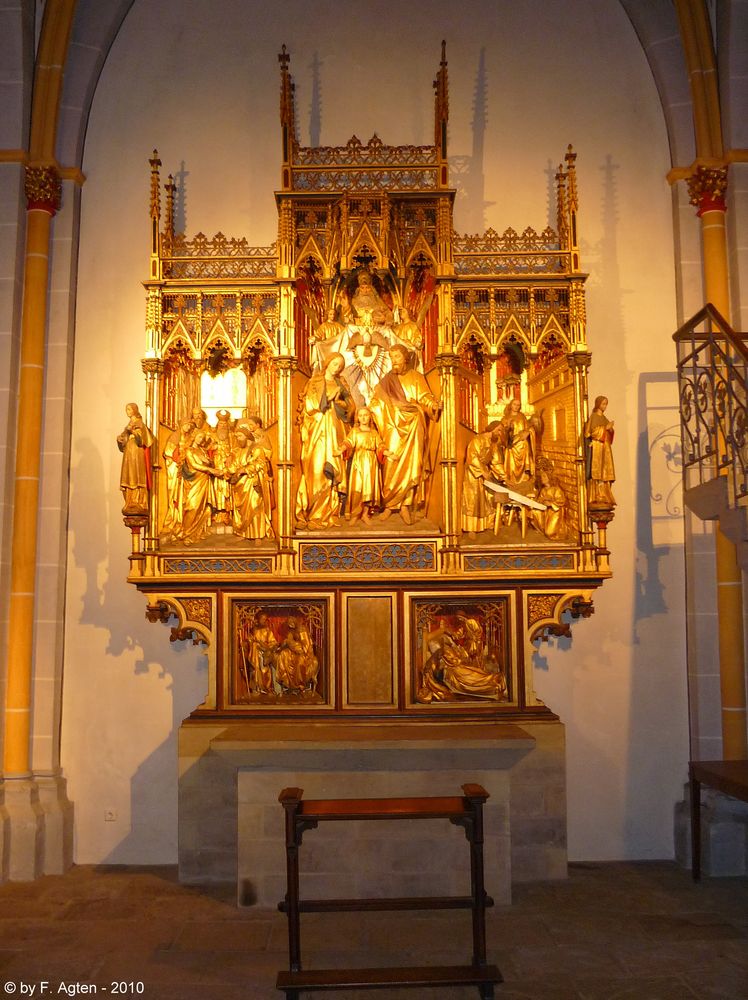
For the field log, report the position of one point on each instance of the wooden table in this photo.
(465, 811)
(728, 776)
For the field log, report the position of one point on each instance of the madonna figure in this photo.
(327, 415)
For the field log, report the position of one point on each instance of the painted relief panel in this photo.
(280, 653)
(460, 650)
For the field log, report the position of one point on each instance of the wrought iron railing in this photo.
(712, 370)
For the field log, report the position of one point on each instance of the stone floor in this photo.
(640, 931)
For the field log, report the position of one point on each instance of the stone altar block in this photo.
(231, 826)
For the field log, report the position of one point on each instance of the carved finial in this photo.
(561, 208)
(441, 105)
(155, 163)
(571, 174)
(287, 109)
(170, 187)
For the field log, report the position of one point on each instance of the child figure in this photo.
(363, 449)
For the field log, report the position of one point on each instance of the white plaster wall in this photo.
(200, 81)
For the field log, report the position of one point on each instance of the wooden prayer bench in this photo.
(465, 811)
(728, 776)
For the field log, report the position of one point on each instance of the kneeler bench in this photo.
(465, 811)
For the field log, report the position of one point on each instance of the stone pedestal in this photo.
(25, 829)
(724, 833)
(231, 824)
(58, 823)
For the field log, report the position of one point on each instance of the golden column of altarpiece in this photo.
(366, 475)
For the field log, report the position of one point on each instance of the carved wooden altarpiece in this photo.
(367, 490)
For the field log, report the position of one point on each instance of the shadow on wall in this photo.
(659, 501)
(315, 107)
(115, 610)
(154, 785)
(467, 173)
(658, 704)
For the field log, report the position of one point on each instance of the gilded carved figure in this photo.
(249, 488)
(135, 478)
(221, 454)
(174, 451)
(363, 450)
(367, 307)
(297, 665)
(519, 439)
(257, 433)
(598, 435)
(552, 521)
(455, 664)
(198, 493)
(330, 328)
(327, 337)
(259, 652)
(404, 409)
(482, 464)
(200, 419)
(327, 414)
(407, 330)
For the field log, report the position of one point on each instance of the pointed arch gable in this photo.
(421, 247)
(552, 326)
(179, 332)
(365, 237)
(257, 332)
(513, 327)
(472, 329)
(311, 248)
(219, 331)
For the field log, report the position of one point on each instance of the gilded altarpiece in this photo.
(362, 472)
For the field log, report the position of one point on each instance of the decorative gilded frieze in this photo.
(366, 557)
(216, 566)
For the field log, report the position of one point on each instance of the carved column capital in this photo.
(706, 189)
(446, 362)
(43, 188)
(579, 360)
